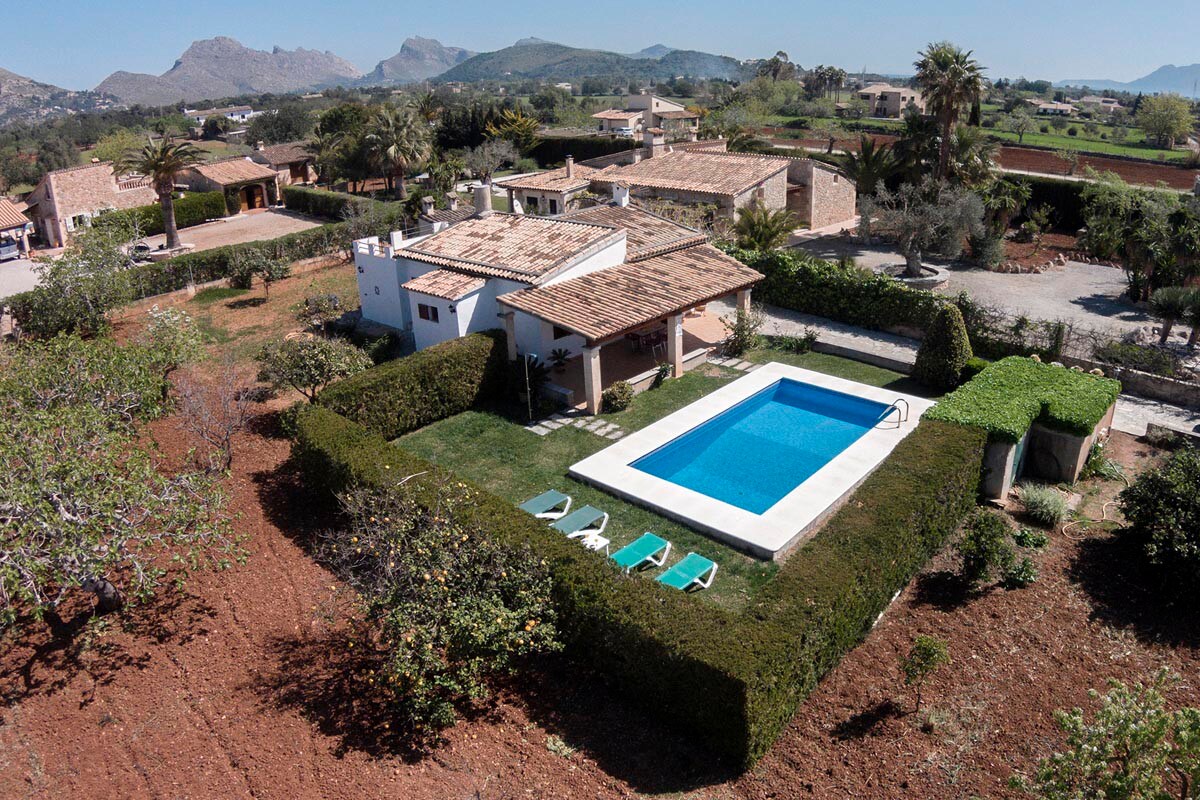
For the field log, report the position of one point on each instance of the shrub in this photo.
(1138, 357)
(309, 365)
(193, 208)
(1044, 504)
(1162, 513)
(1020, 574)
(1011, 394)
(795, 344)
(402, 395)
(927, 655)
(988, 251)
(1100, 465)
(617, 397)
(1027, 537)
(984, 547)
(944, 351)
(743, 328)
(322, 203)
(973, 367)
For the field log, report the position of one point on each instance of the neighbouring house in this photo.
(15, 228)
(649, 111)
(67, 199)
(1052, 109)
(550, 192)
(246, 184)
(1095, 102)
(564, 86)
(293, 161)
(239, 114)
(433, 219)
(885, 100)
(600, 277)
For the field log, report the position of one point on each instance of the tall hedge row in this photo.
(193, 208)
(324, 203)
(409, 393)
(552, 151)
(733, 680)
(1065, 197)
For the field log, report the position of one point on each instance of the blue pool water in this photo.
(755, 453)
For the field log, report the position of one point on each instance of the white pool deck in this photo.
(772, 534)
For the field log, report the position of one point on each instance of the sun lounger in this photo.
(548, 505)
(647, 549)
(692, 570)
(585, 521)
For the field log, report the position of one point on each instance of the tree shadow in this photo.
(246, 302)
(298, 510)
(865, 722)
(1127, 593)
(1109, 307)
(943, 590)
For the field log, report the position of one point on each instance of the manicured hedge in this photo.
(1010, 395)
(193, 208)
(552, 151)
(409, 393)
(732, 680)
(1065, 197)
(322, 202)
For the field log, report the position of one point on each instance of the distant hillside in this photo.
(418, 59)
(26, 100)
(1181, 80)
(223, 67)
(548, 61)
(653, 51)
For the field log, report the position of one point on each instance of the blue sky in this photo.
(1052, 39)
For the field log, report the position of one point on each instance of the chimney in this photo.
(427, 204)
(620, 195)
(654, 142)
(452, 201)
(260, 145)
(637, 156)
(483, 201)
(570, 166)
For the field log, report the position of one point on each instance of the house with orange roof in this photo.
(66, 200)
(247, 185)
(643, 111)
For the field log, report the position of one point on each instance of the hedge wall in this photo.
(1065, 197)
(733, 680)
(193, 208)
(323, 203)
(409, 393)
(1010, 395)
(552, 151)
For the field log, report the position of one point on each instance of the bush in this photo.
(973, 367)
(1020, 574)
(1034, 540)
(944, 351)
(309, 365)
(617, 397)
(321, 202)
(1138, 357)
(1011, 394)
(743, 327)
(984, 548)
(735, 680)
(988, 251)
(927, 655)
(1162, 513)
(409, 393)
(1044, 504)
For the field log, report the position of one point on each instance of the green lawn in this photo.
(841, 367)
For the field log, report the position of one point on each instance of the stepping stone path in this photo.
(600, 427)
(733, 363)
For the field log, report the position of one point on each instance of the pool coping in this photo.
(772, 534)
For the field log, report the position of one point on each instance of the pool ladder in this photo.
(901, 413)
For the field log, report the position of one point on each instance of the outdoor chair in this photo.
(647, 549)
(550, 505)
(692, 570)
(585, 521)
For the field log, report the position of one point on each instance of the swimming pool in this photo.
(754, 454)
(762, 461)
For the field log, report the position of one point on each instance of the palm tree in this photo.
(428, 107)
(1192, 317)
(398, 142)
(870, 166)
(760, 228)
(1170, 304)
(516, 126)
(951, 80)
(1004, 199)
(325, 148)
(161, 161)
(972, 156)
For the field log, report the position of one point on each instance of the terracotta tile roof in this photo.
(288, 153)
(646, 234)
(618, 114)
(515, 246)
(554, 180)
(708, 173)
(608, 302)
(10, 215)
(235, 170)
(685, 114)
(446, 284)
(464, 211)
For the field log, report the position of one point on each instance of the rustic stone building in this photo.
(67, 199)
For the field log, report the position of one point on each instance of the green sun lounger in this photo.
(585, 521)
(548, 505)
(692, 570)
(647, 549)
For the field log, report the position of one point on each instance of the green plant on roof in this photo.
(944, 352)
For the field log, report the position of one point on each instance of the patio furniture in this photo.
(581, 523)
(692, 570)
(548, 505)
(593, 541)
(647, 549)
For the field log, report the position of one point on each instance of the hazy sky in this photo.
(1053, 39)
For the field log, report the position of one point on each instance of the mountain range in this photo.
(24, 99)
(419, 59)
(1181, 80)
(537, 58)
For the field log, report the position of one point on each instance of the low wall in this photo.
(1145, 384)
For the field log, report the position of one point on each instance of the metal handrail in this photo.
(901, 413)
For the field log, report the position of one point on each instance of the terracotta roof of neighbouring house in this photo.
(514, 246)
(608, 302)
(10, 215)
(288, 153)
(446, 284)
(618, 113)
(236, 170)
(554, 180)
(706, 173)
(685, 114)
(465, 210)
(646, 234)
(208, 112)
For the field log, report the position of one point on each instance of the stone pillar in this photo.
(592, 382)
(675, 344)
(743, 300)
(510, 333)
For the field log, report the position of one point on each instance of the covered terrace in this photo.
(639, 310)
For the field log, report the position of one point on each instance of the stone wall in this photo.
(775, 195)
(833, 197)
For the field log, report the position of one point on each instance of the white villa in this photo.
(643, 111)
(577, 283)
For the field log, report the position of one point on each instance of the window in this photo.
(561, 333)
(428, 313)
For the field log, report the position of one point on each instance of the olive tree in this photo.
(930, 216)
(1165, 118)
(309, 365)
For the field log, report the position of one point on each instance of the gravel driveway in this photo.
(16, 276)
(247, 227)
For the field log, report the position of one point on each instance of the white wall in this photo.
(610, 256)
(427, 333)
(379, 284)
